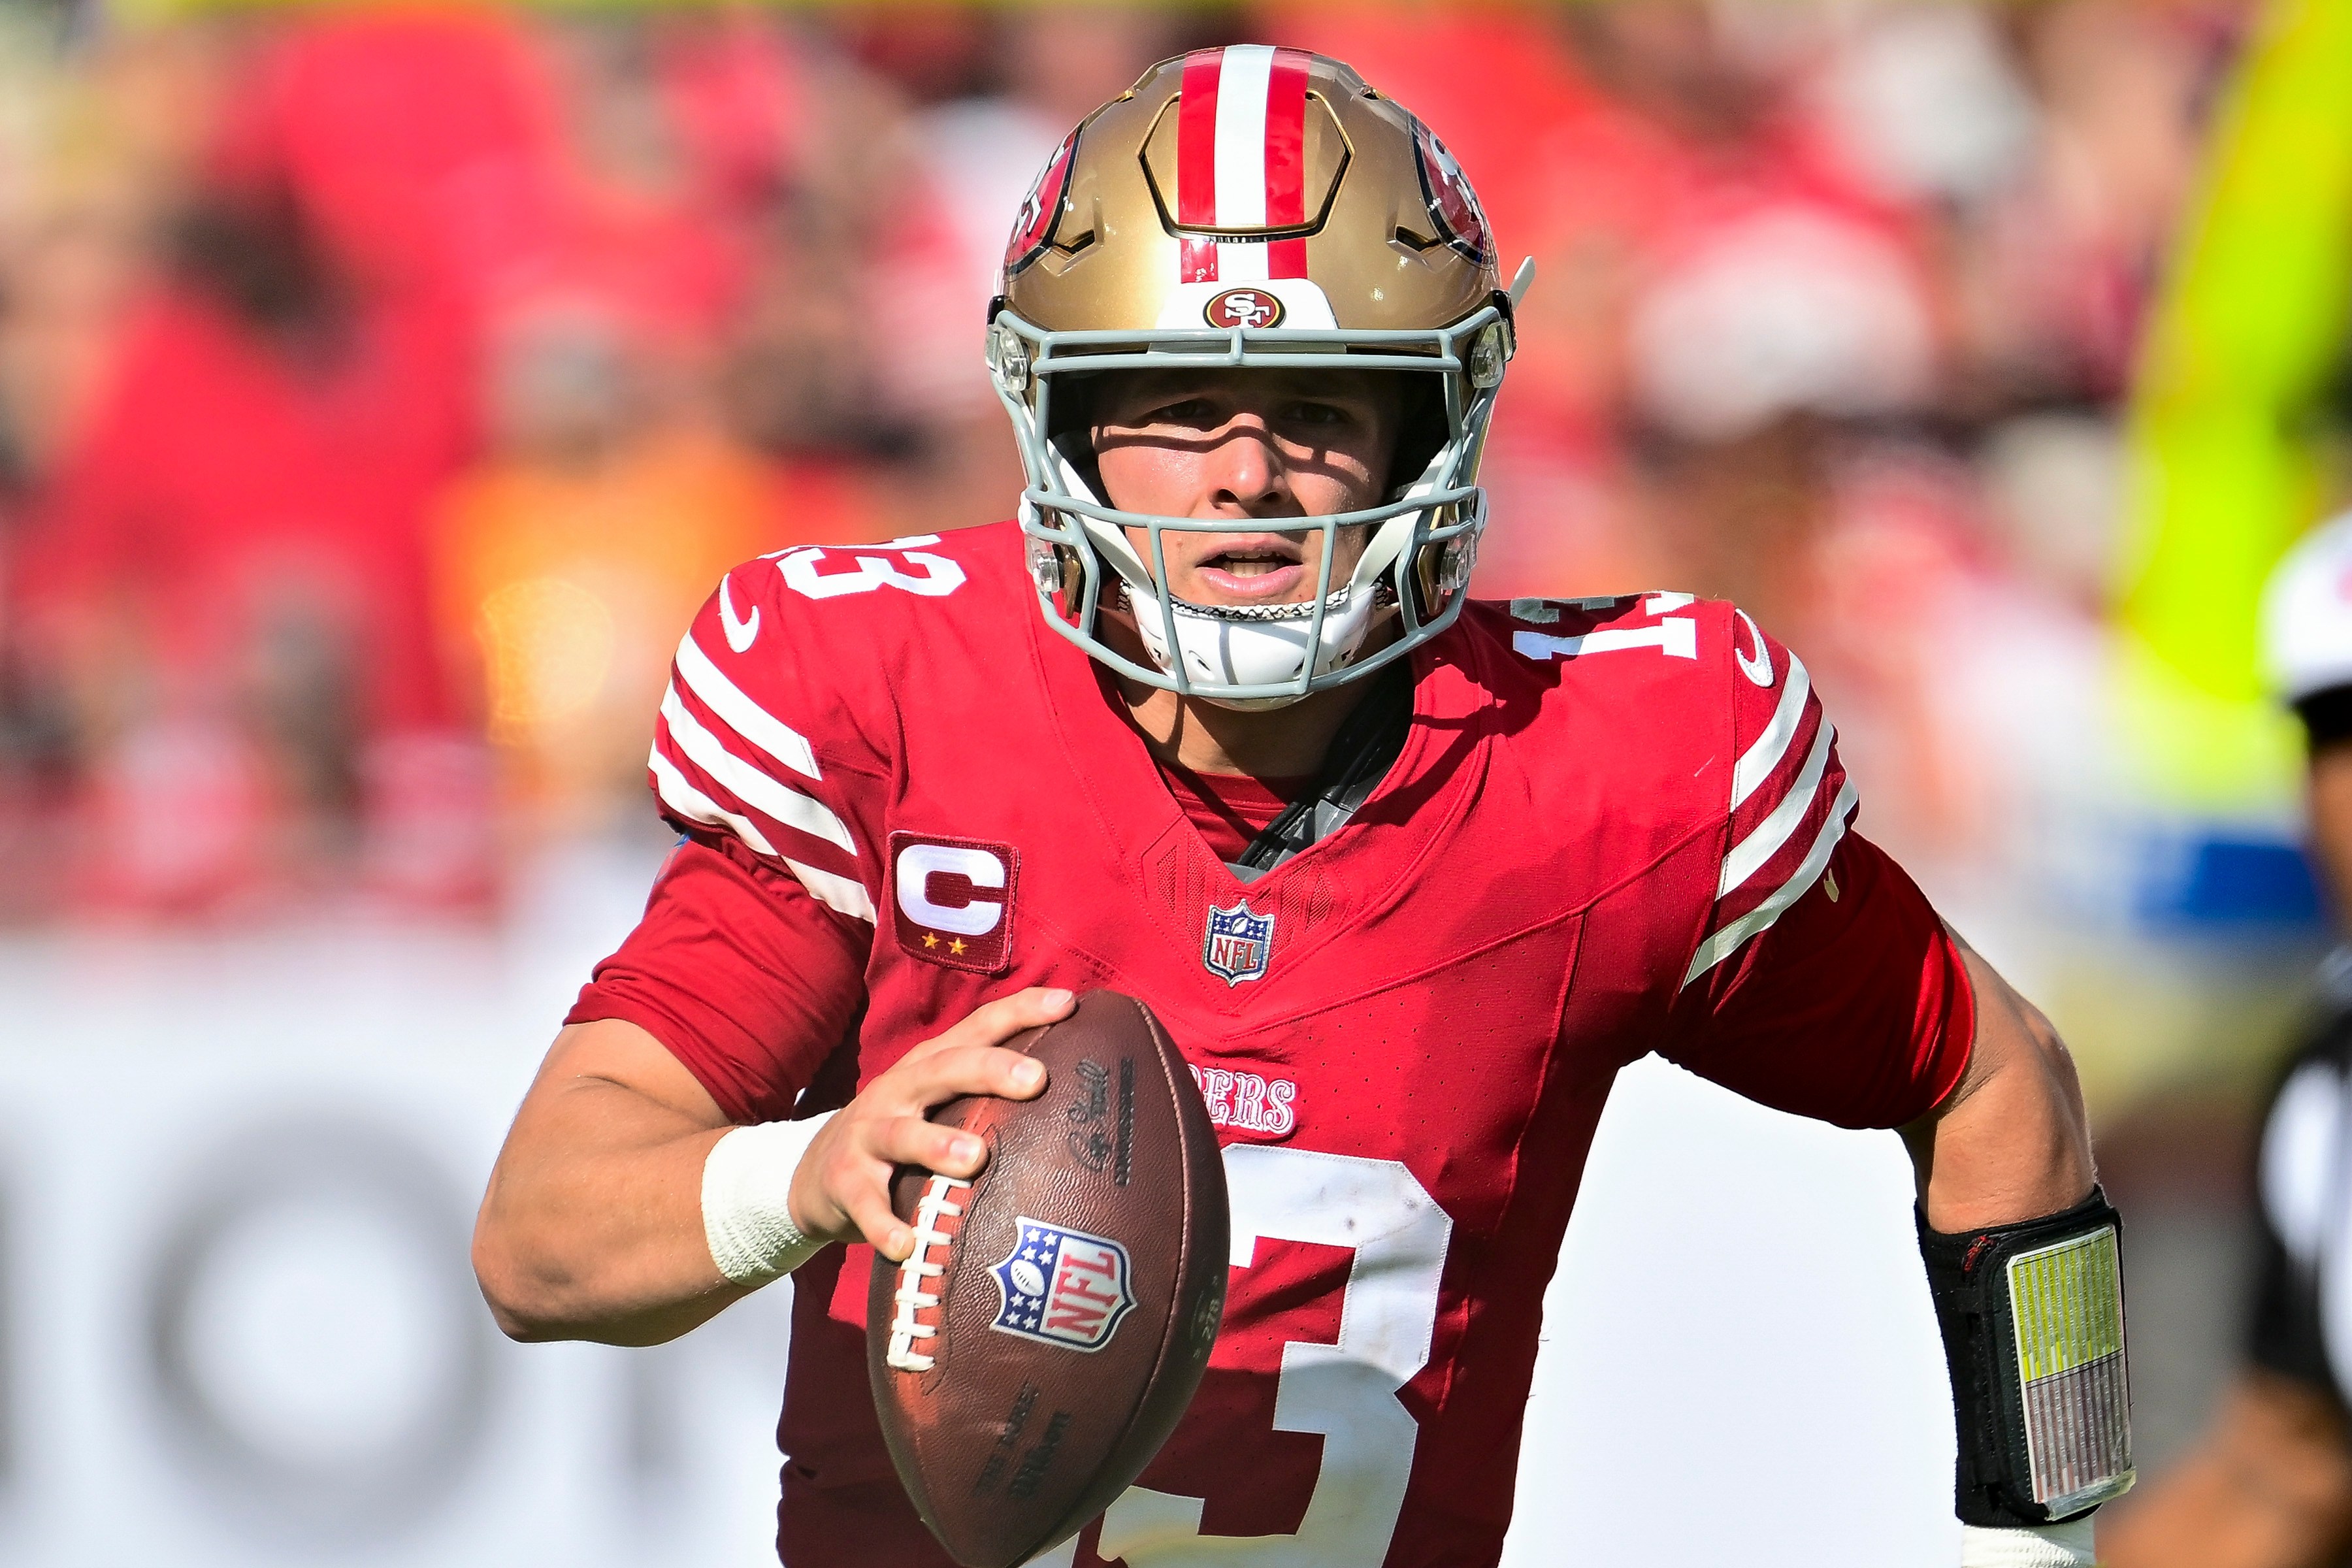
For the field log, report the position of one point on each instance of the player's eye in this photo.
(1323, 416)
(1197, 412)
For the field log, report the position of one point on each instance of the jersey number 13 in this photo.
(1346, 1391)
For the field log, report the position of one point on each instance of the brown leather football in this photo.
(1038, 1346)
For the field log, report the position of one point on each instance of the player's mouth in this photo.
(1257, 569)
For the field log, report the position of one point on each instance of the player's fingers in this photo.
(915, 1079)
(858, 1184)
(992, 1023)
(971, 1069)
(912, 1140)
(868, 1207)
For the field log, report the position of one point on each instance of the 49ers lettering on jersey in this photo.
(1247, 1101)
(953, 900)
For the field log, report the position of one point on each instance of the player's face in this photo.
(1244, 444)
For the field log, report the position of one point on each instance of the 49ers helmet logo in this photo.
(1461, 221)
(1034, 227)
(1248, 309)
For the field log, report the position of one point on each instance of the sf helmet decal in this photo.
(1249, 309)
(1451, 203)
(1035, 227)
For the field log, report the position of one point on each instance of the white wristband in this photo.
(2067, 1545)
(747, 1181)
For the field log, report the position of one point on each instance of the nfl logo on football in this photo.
(1061, 1286)
(1237, 944)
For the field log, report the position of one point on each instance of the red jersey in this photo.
(1617, 825)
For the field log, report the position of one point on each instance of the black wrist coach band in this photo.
(2033, 1320)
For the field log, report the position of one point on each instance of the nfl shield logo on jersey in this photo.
(1062, 1287)
(1237, 944)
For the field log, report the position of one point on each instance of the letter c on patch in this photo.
(977, 916)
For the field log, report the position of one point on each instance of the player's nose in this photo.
(1245, 469)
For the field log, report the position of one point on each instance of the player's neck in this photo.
(1287, 743)
(1278, 743)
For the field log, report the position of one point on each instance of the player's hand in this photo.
(842, 1190)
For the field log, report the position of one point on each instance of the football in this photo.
(1039, 1344)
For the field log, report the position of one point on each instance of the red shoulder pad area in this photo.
(728, 757)
(1790, 800)
(1823, 982)
(782, 704)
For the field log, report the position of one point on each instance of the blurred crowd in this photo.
(380, 390)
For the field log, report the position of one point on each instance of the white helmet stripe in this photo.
(1240, 261)
(1241, 84)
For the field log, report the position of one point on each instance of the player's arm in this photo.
(1859, 1007)
(2024, 1267)
(611, 1207)
(591, 1227)
(2011, 1141)
(657, 1171)
(1823, 982)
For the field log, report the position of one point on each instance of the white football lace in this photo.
(911, 1297)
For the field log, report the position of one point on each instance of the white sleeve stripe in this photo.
(839, 893)
(1762, 757)
(747, 784)
(693, 805)
(1729, 940)
(1748, 855)
(751, 720)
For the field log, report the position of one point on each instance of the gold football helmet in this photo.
(1252, 206)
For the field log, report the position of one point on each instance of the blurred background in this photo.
(382, 388)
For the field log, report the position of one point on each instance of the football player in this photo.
(2270, 1485)
(1407, 878)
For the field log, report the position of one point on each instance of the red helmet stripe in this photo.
(1198, 262)
(1286, 139)
(1196, 162)
(1285, 161)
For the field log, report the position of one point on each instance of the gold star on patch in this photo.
(930, 939)
(956, 947)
